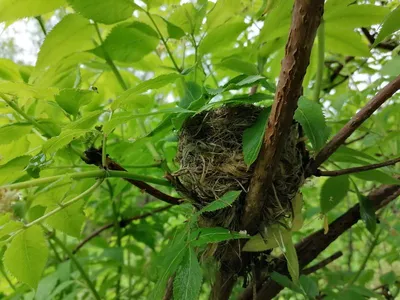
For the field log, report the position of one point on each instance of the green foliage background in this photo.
(125, 75)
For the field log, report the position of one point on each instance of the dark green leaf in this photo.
(367, 211)
(333, 192)
(285, 282)
(310, 286)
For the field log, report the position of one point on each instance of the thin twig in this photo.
(123, 223)
(357, 169)
(322, 263)
(381, 97)
(357, 139)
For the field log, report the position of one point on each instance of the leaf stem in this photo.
(3, 272)
(41, 24)
(78, 265)
(64, 205)
(164, 42)
(321, 59)
(88, 174)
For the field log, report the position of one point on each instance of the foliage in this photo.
(122, 77)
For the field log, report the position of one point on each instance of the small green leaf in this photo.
(154, 83)
(13, 132)
(71, 100)
(129, 42)
(72, 34)
(13, 169)
(213, 235)
(389, 26)
(26, 256)
(67, 136)
(310, 286)
(188, 278)
(11, 10)
(333, 192)
(309, 114)
(226, 200)
(253, 137)
(8, 226)
(104, 11)
(367, 211)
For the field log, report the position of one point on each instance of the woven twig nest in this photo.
(210, 154)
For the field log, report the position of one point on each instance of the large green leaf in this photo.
(13, 132)
(333, 192)
(310, 286)
(72, 34)
(253, 137)
(389, 26)
(11, 10)
(226, 200)
(129, 42)
(104, 11)
(26, 91)
(239, 65)
(13, 169)
(345, 41)
(309, 114)
(188, 278)
(377, 175)
(9, 70)
(72, 99)
(26, 256)
(67, 136)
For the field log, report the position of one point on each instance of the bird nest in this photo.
(210, 154)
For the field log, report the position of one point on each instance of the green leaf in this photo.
(192, 94)
(23, 90)
(238, 65)
(285, 282)
(170, 259)
(345, 41)
(67, 136)
(151, 84)
(376, 175)
(11, 10)
(367, 211)
(267, 240)
(72, 34)
(213, 235)
(333, 192)
(71, 100)
(354, 16)
(290, 255)
(389, 26)
(13, 169)
(8, 226)
(13, 132)
(69, 220)
(188, 278)
(129, 42)
(9, 70)
(26, 256)
(253, 137)
(226, 200)
(388, 278)
(309, 114)
(188, 18)
(86, 122)
(310, 286)
(104, 11)
(221, 37)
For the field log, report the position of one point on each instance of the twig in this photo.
(371, 40)
(357, 169)
(123, 223)
(169, 290)
(356, 139)
(309, 248)
(381, 97)
(322, 263)
(336, 72)
(305, 21)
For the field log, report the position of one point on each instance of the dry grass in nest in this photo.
(210, 154)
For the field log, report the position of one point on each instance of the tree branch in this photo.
(357, 169)
(305, 21)
(381, 97)
(123, 223)
(322, 263)
(309, 248)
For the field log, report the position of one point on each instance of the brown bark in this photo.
(381, 97)
(305, 21)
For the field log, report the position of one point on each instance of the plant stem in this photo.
(109, 61)
(64, 205)
(164, 42)
(88, 174)
(321, 59)
(78, 265)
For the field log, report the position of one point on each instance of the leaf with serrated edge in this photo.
(226, 200)
(26, 256)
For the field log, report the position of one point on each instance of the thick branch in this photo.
(357, 169)
(380, 98)
(123, 223)
(314, 244)
(305, 21)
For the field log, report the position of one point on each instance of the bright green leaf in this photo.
(309, 114)
(13, 132)
(86, 122)
(333, 192)
(26, 256)
(238, 65)
(72, 99)
(354, 16)
(13, 169)
(253, 137)
(345, 41)
(226, 200)
(213, 235)
(67, 136)
(104, 11)
(188, 278)
(389, 26)
(25, 91)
